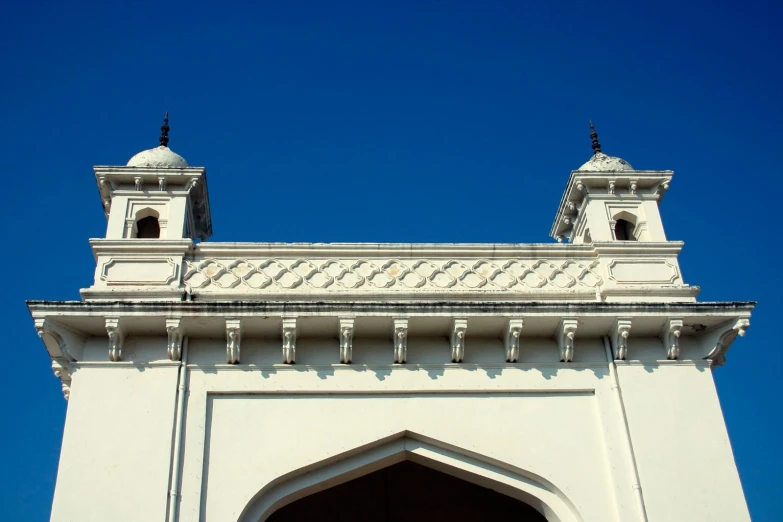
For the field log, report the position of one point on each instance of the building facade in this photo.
(242, 382)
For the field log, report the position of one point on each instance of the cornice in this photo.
(404, 250)
(432, 250)
(135, 171)
(254, 308)
(140, 246)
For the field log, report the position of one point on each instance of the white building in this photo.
(288, 381)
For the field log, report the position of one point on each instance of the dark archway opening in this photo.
(148, 228)
(623, 230)
(407, 492)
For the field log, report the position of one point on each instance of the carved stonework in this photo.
(174, 346)
(162, 183)
(728, 333)
(620, 332)
(458, 329)
(137, 183)
(116, 338)
(513, 331)
(400, 340)
(612, 184)
(391, 275)
(346, 340)
(59, 341)
(671, 338)
(566, 331)
(662, 188)
(289, 340)
(233, 340)
(63, 372)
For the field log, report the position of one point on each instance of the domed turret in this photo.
(161, 156)
(604, 163)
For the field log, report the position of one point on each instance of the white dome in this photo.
(600, 162)
(161, 157)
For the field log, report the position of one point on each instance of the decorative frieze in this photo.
(346, 340)
(458, 329)
(671, 337)
(233, 340)
(512, 333)
(566, 331)
(620, 332)
(116, 338)
(174, 345)
(289, 340)
(400, 340)
(395, 275)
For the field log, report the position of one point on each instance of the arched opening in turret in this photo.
(148, 228)
(408, 492)
(623, 230)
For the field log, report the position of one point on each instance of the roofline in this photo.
(292, 306)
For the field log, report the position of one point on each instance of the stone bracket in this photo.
(727, 333)
(60, 341)
(346, 339)
(174, 345)
(566, 331)
(233, 340)
(671, 337)
(400, 340)
(289, 340)
(459, 327)
(620, 332)
(116, 338)
(512, 332)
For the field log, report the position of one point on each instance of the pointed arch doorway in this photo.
(488, 477)
(407, 492)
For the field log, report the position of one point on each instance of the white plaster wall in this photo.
(251, 423)
(116, 450)
(246, 428)
(686, 465)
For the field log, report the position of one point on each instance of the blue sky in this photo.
(391, 121)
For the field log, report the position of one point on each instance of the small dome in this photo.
(161, 157)
(600, 162)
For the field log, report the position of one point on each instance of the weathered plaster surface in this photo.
(220, 381)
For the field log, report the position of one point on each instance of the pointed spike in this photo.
(164, 131)
(594, 137)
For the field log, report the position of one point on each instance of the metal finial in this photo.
(594, 137)
(164, 131)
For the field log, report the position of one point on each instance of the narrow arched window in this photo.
(623, 230)
(148, 228)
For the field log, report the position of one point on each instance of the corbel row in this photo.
(138, 184)
(58, 339)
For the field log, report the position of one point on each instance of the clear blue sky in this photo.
(391, 121)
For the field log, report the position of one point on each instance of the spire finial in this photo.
(594, 137)
(164, 131)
